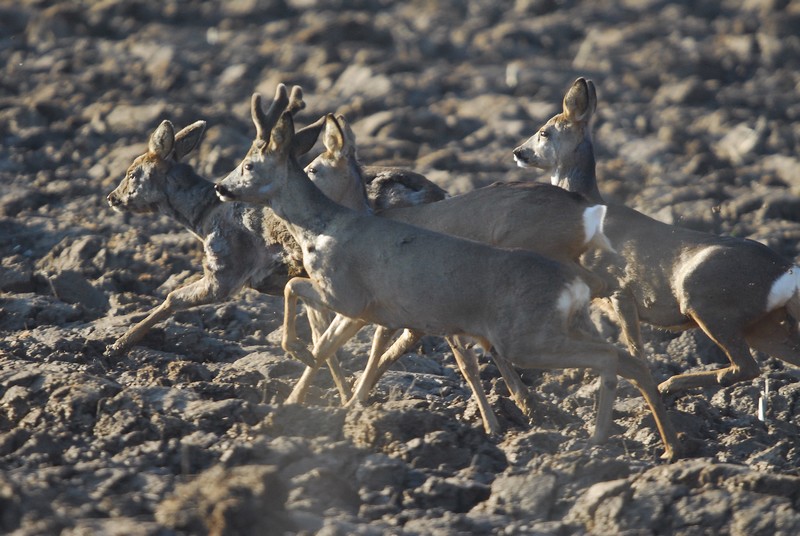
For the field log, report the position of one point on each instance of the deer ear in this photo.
(188, 138)
(280, 139)
(334, 136)
(592, 97)
(162, 140)
(577, 106)
(349, 135)
(305, 138)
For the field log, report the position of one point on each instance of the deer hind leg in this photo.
(319, 320)
(777, 336)
(468, 365)
(200, 292)
(575, 352)
(743, 366)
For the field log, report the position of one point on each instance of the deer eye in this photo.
(248, 166)
(311, 170)
(544, 134)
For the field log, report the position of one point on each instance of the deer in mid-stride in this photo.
(741, 293)
(516, 304)
(506, 214)
(533, 216)
(244, 246)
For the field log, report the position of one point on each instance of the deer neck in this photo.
(190, 198)
(355, 197)
(577, 172)
(305, 208)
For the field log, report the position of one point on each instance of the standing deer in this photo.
(370, 269)
(739, 292)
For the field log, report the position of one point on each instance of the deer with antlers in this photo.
(369, 269)
(739, 292)
(244, 246)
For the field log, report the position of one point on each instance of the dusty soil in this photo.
(698, 124)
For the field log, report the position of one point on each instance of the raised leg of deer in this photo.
(577, 353)
(200, 292)
(295, 289)
(468, 365)
(319, 322)
(743, 366)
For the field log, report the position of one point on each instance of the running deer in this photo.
(739, 292)
(519, 215)
(369, 269)
(244, 246)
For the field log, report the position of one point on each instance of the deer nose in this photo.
(112, 199)
(223, 192)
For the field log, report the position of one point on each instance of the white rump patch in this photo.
(593, 218)
(783, 289)
(574, 296)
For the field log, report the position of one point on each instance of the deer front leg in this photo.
(637, 372)
(291, 343)
(339, 332)
(628, 318)
(468, 364)
(200, 292)
(367, 380)
(319, 321)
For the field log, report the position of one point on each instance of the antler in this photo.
(296, 102)
(265, 122)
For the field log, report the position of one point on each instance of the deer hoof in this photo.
(118, 349)
(302, 354)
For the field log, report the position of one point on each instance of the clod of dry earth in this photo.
(698, 124)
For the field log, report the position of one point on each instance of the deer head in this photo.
(563, 145)
(143, 187)
(276, 146)
(336, 171)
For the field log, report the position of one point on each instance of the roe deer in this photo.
(244, 246)
(537, 217)
(739, 292)
(521, 215)
(519, 304)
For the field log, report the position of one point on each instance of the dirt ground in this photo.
(698, 124)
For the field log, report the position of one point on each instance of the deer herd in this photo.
(511, 267)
